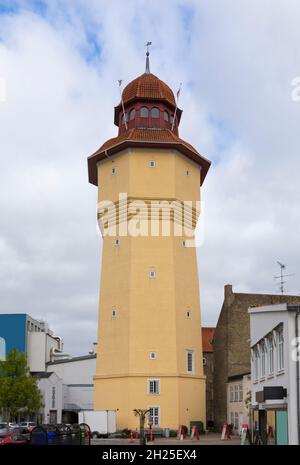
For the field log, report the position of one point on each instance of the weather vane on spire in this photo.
(147, 57)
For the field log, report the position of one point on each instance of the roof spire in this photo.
(147, 70)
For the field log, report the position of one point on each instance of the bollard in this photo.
(131, 437)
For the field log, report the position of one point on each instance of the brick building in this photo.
(232, 356)
(208, 367)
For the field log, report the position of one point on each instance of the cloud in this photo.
(60, 62)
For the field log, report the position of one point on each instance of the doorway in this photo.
(53, 417)
(281, 428)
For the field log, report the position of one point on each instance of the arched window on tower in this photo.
(155, 112)
(166, 116)
(144, 112)
(132, 114)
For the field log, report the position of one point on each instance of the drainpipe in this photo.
(298, 373)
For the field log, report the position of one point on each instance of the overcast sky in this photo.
(59, 64)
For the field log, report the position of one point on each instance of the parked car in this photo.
(20, 430)
(13, 425)
(27, 424)
(3, 428)
(13, 438)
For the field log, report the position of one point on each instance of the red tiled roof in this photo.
(145, 137)
(207, 339)
(150, 87)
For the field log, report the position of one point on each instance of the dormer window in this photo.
(166, 116)
(144, 112)
(155, 112)
(132, 114)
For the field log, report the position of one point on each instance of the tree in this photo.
(18, 389)
(141, 413)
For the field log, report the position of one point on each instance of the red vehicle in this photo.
(13, 438)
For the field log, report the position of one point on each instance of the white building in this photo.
(275, 371)
(66, 383)
(238, 401)
(50, 386)
(77, 378)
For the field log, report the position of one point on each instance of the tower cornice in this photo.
(146, 138)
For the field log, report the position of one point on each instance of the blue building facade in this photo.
(12, 333)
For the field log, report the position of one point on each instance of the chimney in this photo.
(228, 293)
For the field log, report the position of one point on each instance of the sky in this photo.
(59, 66)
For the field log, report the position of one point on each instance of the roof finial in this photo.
(147, 58)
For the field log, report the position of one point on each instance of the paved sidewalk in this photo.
(209, 439)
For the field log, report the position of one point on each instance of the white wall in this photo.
(262, 321)
(46, 385)
(36, 351)
(39, 345)
(77, 377)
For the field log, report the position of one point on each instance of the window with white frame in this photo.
(153, 386)
(152, 164)
(231, 397)
(113, 170)
(255, 363)
(236, 393)
(113, 312)
(153, 355)
(270, 355)
(152, 274)
(190, 361)
(117, 242)
(280, 350)
(240, 393)
(154, 415)
(262, 359)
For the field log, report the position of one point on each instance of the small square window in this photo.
(152, 164)
(153, 355)
(152, 274)
(113, 312)
(113, 170)
(117, 242)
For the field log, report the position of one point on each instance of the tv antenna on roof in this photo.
(282, 282)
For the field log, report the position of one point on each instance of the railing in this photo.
(51, 435)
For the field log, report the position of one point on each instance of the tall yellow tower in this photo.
(149, 340)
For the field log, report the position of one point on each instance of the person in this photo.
(229, 431)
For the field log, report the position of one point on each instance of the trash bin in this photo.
(167, 432)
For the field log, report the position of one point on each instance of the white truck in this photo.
(101, 422)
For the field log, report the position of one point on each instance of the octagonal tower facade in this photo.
(149, 353)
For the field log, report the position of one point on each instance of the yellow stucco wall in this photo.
(151, 314)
